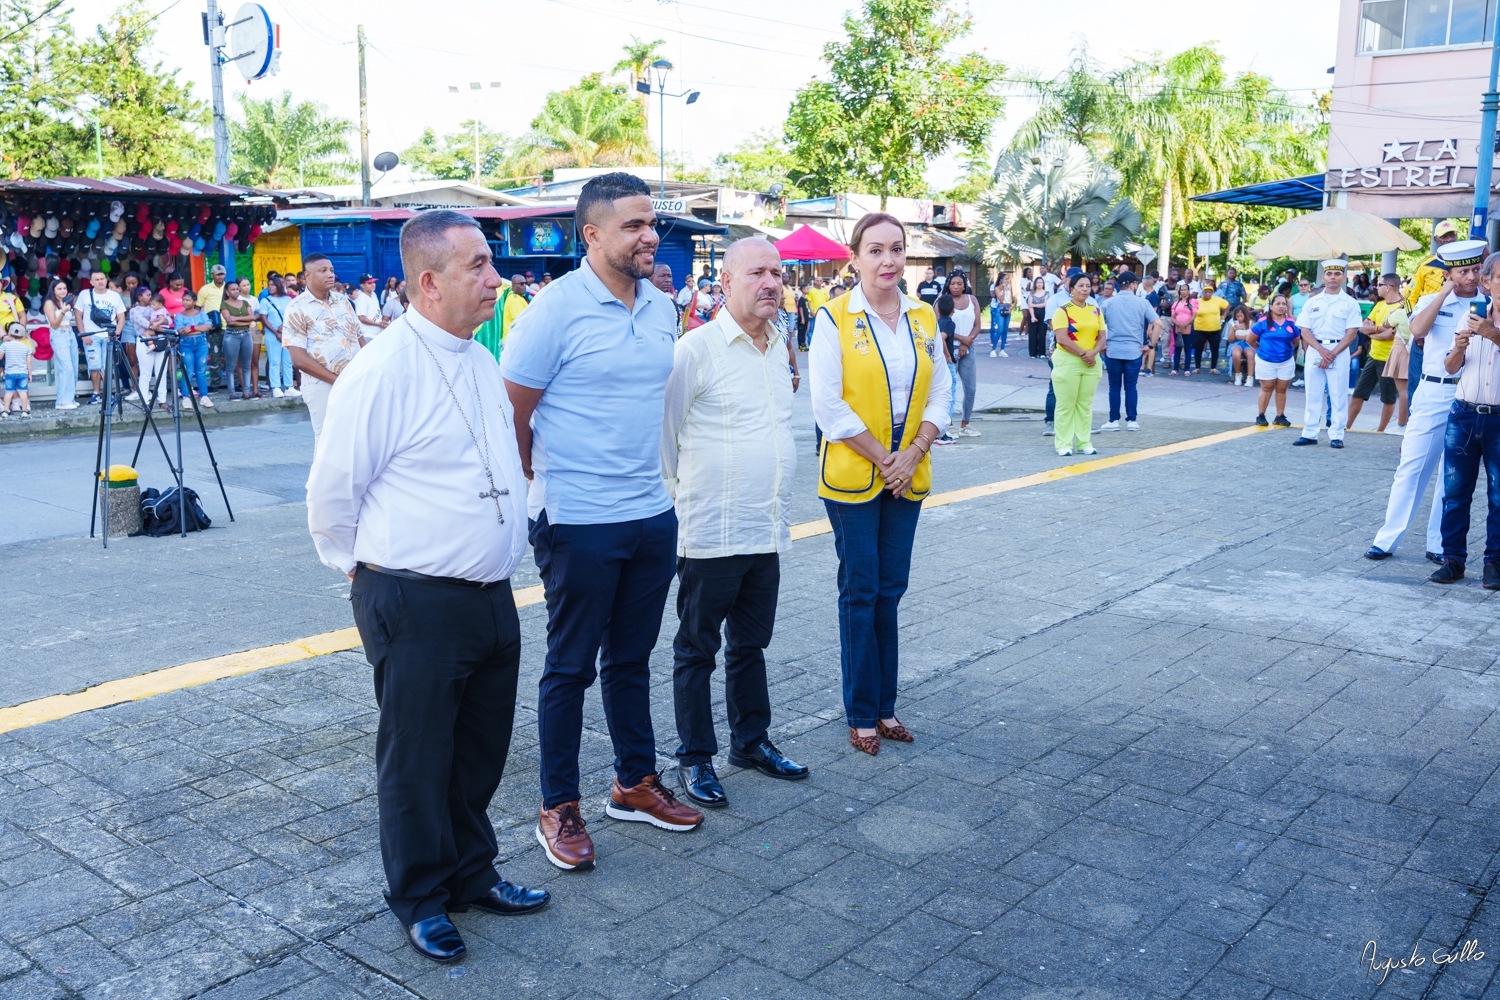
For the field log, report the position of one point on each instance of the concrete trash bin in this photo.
(121, 501)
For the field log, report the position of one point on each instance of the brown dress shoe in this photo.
(898, 732)
(562, 835)
(869, 744)
(651, 802)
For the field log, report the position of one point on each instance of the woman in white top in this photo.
(879, 395)
(59, 311)
(966, 321)
(1000, 307)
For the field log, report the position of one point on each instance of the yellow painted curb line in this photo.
(60, 706)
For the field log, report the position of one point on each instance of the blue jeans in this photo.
(873, 541)
(65, 363)
(278, 363)
(1413, 372)
(1129, 372)
(1051, 397)
(999, 327)
(606, 586)
(1471, 438)
(194, 363)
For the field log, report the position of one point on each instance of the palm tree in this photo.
(591, 124)
(1079, 105)
(639, 56)
(1040, 209)
(281, 145)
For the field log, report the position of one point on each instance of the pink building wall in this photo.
(1404, 130)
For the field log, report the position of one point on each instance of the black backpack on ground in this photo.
(159, 513)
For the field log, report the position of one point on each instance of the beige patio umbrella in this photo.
(1333, 232)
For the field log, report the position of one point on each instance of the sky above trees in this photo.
(748, 67)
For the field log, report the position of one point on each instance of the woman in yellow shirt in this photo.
(1079, 331)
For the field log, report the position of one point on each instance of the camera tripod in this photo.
(115, 398)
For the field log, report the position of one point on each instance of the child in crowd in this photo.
(948, 330)
(1240, 351)
(17, 352)
(152, 353)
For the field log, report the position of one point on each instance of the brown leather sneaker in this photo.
(562, 835)
(651, 802)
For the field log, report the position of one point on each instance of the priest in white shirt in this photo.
(728, 459)
(416, 493)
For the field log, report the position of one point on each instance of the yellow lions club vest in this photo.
(846, 476)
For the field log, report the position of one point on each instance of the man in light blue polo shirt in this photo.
(1132, 325)
(586, 368)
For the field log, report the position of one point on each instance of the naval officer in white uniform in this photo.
(1438, 317)
(1329, 323)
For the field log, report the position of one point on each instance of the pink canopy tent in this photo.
(807, 245)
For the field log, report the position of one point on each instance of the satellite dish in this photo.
(255, 42)
(386, 161)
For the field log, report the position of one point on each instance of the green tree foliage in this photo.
(52, 84)
(40, 133)
(638, 56)
(591, 124)
(894, 99)
(150, 123)
(1076, 208)
(1178, 126)
(281, 143)
(756, 164)
(451, 156)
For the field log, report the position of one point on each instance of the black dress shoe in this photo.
(1434, 557)
(506, 899)
(1376, 553)
(766, 759)
(1448, 572)
(701, 785)
(1491, 576)
(436, 938)
(1303, 442)
(1336, 444)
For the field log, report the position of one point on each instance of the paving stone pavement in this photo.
(1175, 739)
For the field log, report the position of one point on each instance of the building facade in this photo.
(1408, 79)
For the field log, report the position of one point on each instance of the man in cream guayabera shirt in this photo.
(728, 459)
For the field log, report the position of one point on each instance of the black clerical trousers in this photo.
(742, 591)
(445, 658)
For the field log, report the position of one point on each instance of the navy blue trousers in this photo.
(1471, 439)
(606, 587)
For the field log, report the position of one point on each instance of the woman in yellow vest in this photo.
(1078, 329)
(872, 359)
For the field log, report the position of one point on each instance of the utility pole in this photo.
(213, 37)
(364, 123)
(1479, 224)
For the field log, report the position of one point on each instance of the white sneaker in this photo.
(207, 402)
(1047, 430)
(994, 354)
(1113, 425)
(1239, 379)
(187, 402)
(277, 394)
(1087, 449)
(133, 394)
(1064, 452)
(968, 432)
(1299, 384)
(66, 406)
(1004, 355)
(294, 392)
(1396, 429)
(1132, 425)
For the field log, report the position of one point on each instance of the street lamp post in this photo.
(1479, 224)
(474, 86)
(1057, 162)
(662, 67)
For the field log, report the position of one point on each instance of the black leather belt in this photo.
(408, 574)
(1441, 381)
(1484, 408)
